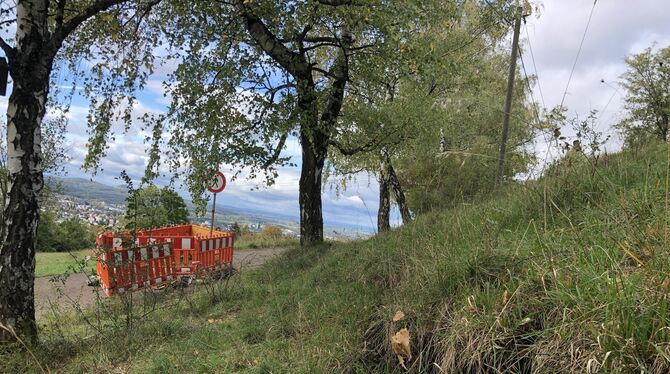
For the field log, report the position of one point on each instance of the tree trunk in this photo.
(384, 212)
(311, 216)
(663, 127)
(398, 192)
(30, 71)
(315, 133)
(314, 151)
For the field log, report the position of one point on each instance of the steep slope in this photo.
(568, 273)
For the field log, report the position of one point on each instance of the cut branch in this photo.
(277, 151)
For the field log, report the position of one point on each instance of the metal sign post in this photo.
(211, 229)
(218, 184)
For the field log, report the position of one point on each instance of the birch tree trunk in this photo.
(30, 71)
(384, 211)
(398, 192)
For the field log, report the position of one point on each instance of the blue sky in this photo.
(618, 28)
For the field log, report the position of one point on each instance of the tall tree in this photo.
(175, 208)
(256, 73)
(410, 94)
(154, 207)
(647, 84)
(41, 29)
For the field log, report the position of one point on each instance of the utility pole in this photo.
(508, 98)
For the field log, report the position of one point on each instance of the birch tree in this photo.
(41, 29)
(404, 99)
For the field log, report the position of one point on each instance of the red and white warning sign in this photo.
(218, 183)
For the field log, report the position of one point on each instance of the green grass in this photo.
(258, 241)
(566, 274)
(57, 263)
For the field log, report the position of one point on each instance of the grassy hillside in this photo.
(88, 190)
(569, 273)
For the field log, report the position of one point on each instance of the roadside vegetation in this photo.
(568, 272)
(270, 236)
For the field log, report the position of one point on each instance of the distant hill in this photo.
(88, 189)
(94, 191)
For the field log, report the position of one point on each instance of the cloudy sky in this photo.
(618, 28)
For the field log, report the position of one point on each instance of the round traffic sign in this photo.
(218, 183)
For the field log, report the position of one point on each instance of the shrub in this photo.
(271, 231)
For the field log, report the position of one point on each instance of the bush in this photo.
(69, 235)
(271, 231)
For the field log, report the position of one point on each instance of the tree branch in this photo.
(321, 39)
(60, 13)
(8, 49)
(276, 153)
(340, 72)
(326, 73)
(367, 147)
(68, 27)
(371, 145)
(293, 62)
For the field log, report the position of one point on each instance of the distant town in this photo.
(98, 213)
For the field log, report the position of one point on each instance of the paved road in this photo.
(51, 294)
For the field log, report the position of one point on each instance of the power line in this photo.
(579, 51)
(532, 57)
(530, 90)
(602, 112)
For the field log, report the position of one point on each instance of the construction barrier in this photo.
(159, 256)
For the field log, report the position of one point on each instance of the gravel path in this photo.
(50, 293)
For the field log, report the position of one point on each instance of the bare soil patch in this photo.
(50, 292)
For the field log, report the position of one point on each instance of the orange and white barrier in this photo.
(154, 257)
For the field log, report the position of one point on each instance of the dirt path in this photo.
(50, 293)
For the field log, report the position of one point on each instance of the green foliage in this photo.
(153, 207)
(647, 84)
(175, 207)
(454, 159)
(71, 234)
(436, 109)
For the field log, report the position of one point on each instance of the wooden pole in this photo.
(508, 98)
